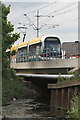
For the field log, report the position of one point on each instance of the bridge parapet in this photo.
(58, 63)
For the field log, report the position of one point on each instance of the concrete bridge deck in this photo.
(49, 67)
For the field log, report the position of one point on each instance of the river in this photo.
(27, 108)
(30, 108)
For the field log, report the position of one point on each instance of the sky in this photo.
(58, 18)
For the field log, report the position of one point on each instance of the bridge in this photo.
(43, 72)
(56, 66)
(47, 73)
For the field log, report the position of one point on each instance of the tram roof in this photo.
(40, 39)
(7, 50)
(24, 44)
(14, 47)
(34, 41)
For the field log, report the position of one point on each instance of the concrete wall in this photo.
(58, 63)
(71, 48)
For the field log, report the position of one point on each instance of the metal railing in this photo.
(43, 55)
(39, 55)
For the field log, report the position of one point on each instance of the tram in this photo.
(38, 49)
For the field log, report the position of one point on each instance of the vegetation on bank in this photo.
(62, 80)
(74, 112)
(12, 86)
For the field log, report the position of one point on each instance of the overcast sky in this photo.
(64, 23)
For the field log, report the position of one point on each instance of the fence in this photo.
(45, 55)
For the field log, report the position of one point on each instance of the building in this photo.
(72, 49)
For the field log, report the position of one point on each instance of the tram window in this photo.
(30, 50)
(52, 45)
(38, 48)
(33, 49)
(21, 51)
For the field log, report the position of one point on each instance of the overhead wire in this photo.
(33, 11)
(20, 17)
(66, 11)
(46, 21)
(58, 13)
(43, 7)
(64, 21)
(62, 8)
(68, 20)
(37, 9)
(61, 13)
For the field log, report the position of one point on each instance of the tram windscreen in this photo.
(52, 44)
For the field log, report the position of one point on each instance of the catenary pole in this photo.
(38, 23)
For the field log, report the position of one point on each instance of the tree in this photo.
(11, 86)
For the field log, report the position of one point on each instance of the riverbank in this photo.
(23, 109)
(26, 108)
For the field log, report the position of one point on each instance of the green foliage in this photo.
(62, 80)
(73, 112)
(11, 85)
(8, 38)
(76, 76)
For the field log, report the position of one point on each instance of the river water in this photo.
(28, 108)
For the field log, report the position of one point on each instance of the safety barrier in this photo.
(42, 55)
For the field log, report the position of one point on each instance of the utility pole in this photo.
(36, 27)
(38, 23)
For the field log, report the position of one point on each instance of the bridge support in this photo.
(60, 101)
